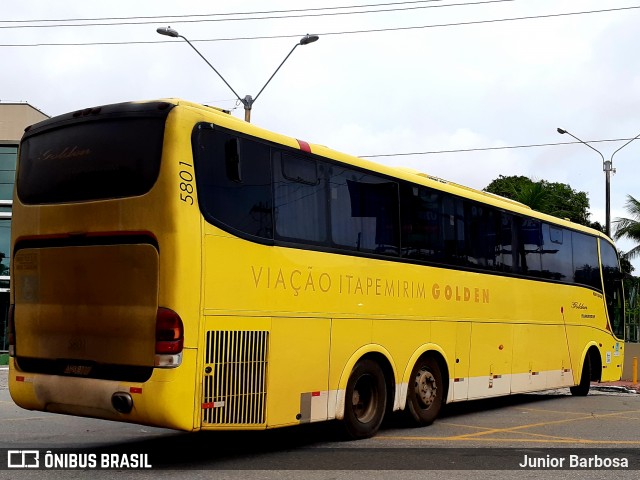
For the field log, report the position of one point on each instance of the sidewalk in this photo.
(620, 384)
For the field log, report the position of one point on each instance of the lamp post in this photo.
(607, 167)
(247, 101)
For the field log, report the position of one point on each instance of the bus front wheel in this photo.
(425, 393)
(582, 389)
(365, 400)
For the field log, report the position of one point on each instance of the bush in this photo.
(4, 359)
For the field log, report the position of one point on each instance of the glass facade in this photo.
(14, 117)
(8, 156)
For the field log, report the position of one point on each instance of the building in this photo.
(14, 117)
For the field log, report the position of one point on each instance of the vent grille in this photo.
(234, 390)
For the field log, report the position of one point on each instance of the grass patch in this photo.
(4, 359)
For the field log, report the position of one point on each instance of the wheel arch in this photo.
(596, 362)
(383, 358)
(428, 349)
(592, 351)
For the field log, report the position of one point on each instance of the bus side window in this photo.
(586, 267)
(481, 235)
(364, 212)
(556, 253)
(507, 247)
(420, 214)
(300, 204)
(233, 181)
(232, 159)
(531, 246)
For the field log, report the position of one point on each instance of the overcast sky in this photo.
(422, 76)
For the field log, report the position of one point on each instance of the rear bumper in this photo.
(166, 400)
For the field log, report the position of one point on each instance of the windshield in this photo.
(612, 279)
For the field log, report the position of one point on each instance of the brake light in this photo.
(11, 331)
(169, 338)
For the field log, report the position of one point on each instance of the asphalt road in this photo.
(483, 439)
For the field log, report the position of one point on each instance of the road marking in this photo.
(544, 424)
(475, 427)
(560, 412)
(551, 437)
(512, 440)
(478, 436)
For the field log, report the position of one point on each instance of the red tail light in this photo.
(169, 332)
(11, 331)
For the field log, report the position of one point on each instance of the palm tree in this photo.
(630, 227)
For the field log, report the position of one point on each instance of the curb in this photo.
(614, 388)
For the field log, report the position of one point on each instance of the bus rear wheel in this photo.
(582, 389)
(365, 400)
(425, 393)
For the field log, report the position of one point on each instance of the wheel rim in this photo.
(425, 387)
(364, 400)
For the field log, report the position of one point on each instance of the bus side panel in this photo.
(460, 375)
(297, 386)
(264, 372)
(490, 359)
(234, 359)
(579, 338)
(348, 335)
(401, 338)
(540, 358)
(610, 351)
(587, 326)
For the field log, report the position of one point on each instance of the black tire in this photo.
(365, 400)
(582, 389)
(425, 394)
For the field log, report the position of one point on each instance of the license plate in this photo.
(79, 370)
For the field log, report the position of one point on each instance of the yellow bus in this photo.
(177, 267)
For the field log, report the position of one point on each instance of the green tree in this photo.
(626, 266)
(629, 227)
(557, 199)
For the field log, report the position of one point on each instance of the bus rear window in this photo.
(90, 160)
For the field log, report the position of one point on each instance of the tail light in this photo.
(11, 331)
(169, 338)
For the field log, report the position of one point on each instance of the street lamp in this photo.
(247, 101)
(607, 167)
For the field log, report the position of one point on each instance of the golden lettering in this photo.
(359, 287)
(389, 290)
(328, 280)
(66, 152)
(294, 287)
(256, 280)
(310, 283)
(323, 282)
